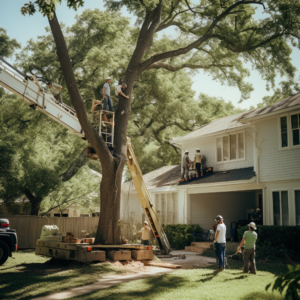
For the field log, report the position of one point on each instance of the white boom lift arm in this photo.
(29, 89)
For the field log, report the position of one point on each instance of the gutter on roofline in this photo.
(271, 114)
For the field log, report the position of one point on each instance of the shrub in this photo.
(290, 283)
(272, 239)
(181, 235)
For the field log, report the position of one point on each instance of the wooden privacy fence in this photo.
(29, 228)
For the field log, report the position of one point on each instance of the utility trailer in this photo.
(28, 88)
(87, 253)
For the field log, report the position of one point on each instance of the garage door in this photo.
(232, 206)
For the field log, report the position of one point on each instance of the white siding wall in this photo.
(290, 187)
(232, 206)
(275, 164)
(131, 207)
(208, 148)
(169, 206)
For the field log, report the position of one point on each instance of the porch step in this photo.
(194, 249)
(205, 245)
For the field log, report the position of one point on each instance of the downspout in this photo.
(257, 150)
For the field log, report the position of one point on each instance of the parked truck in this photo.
(8, 241)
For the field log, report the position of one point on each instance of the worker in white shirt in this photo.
(55, 89)
(220, 243)
(106, 95)
(198, 161)
(145, 233)
(120, 90)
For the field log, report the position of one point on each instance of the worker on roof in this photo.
(106, 95)
(120, 90)
(198, 160)
(55, 89)
(220, 243)
(249, 238)
(145, 234)
(185, 166)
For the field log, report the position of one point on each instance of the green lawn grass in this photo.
(231, 284)
(29, 276)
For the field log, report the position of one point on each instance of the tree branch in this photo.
(197, 43)
(90, 133)
(171, 68)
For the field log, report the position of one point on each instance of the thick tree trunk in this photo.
(108, 231)
(35, 203)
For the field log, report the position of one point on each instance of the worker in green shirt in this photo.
(249, 238)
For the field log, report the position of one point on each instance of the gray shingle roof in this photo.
(285, 103)
(214, 126)
(171, 175)
(225, 176)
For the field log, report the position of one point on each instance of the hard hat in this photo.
(186, 151)
(252, 225)
(218, 218)
(258, 209)
(108, 78)
(197, 149)
(145, 222)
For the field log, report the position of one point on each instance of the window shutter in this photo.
(169, 209)
(175, 208)
(163, 209)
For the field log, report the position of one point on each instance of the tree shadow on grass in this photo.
(235, 278)
(38, 279)
(208, 277)
(262, 296)
(156, 286)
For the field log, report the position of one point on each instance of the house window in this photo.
(295, 122)
(166, 206)
(281, 208)
(231, 147)
(297, 205)
(284, 133)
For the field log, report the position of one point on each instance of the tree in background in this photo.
(82, 190)
(213, 36)
(7, 45)
(36, 153)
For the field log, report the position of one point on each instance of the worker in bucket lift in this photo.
(106, 95)
(145, 234)
(220, 243)
(249, 238)
(55, 89)
(185, 166)
(120, 90)
(198, 160)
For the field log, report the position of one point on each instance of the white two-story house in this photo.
(256, 163)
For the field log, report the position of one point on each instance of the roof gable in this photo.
(215, 126)
(283, 104)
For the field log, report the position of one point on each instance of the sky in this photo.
(24, 28)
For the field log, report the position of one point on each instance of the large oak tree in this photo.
(211, 35)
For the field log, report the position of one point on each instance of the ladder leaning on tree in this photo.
(28, 88)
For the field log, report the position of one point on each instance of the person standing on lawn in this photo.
(145, 233)
(220, 242)
(249, 238)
